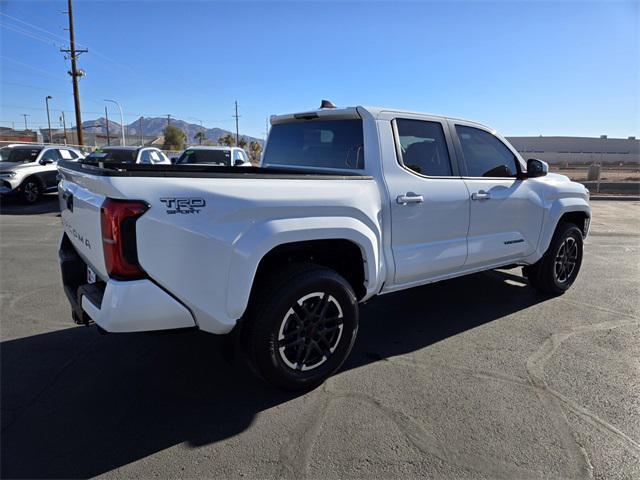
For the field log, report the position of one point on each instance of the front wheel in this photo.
(556, 271)
(301, 326)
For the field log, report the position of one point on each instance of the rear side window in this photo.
(316, 143)
(423, 147)
(484, 154)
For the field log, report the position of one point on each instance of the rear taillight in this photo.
(118, 221)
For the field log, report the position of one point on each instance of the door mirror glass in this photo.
(537, 168)
(239, 162)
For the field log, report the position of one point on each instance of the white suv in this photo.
(31, 170)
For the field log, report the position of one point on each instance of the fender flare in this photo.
(558, 208)
(250, 247)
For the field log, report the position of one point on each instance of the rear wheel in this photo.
(556, 271)
(31, 190)
(301, 327)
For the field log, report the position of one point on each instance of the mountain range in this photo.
(154, 127)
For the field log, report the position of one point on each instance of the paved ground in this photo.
(472, 378)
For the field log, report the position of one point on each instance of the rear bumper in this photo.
(118, 306)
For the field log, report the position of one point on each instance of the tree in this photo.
(255, 149)
(200, 136)
(227, 140)
(174, 138)
(242, 142)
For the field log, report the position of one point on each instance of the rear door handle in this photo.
(409, 198)
(481, 195)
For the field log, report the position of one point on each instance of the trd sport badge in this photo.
(183, 205)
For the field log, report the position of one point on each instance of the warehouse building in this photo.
(579, 150)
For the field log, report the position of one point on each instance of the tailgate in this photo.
(80, 213)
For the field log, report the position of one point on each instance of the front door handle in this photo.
(481, 195)
(409, 198)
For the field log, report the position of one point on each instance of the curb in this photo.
(619, 198)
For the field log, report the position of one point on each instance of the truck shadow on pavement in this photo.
(14, 206)
(78, 404)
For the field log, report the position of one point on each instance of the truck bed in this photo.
(118, 169)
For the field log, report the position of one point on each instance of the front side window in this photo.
(423, 148)
(316, 143)
(51, 155)
(484, 154)
(145, 156)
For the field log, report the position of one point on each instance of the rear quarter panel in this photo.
(208, 258)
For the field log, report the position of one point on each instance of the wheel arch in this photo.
(564, 210)
(346, 245)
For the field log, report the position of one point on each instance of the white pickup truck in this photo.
(348, 203)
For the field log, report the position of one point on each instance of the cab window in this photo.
(484, 154)
(51, 155)
(423, 148)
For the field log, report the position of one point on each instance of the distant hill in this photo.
(155, 127)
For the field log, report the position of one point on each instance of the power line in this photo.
(31, 67)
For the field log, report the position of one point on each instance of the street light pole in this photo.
(46, 99)
(124, 143)
(64, 128)
(25, 115)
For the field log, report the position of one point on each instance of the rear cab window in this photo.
(335, 144)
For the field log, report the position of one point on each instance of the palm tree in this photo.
(254, 150)
(227, 140)
(200, 136)
(242, 142)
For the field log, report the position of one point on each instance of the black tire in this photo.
(556, 271)
(288, 341)
(31, 190)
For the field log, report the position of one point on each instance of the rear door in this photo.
(49, 172)
(429, 201)
(506, 213)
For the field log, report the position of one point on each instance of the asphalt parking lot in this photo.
(478, 377)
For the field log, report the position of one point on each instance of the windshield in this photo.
(19, 154)
(119, 156)
(316, 143)
(215, 157)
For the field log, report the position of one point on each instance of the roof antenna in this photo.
(327, 104)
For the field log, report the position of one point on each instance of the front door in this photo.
(506, 213)
(429, 203)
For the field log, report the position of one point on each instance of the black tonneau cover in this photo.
(114, 169)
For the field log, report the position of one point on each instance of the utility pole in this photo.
(106, 116)
(64, 128)
(73, 55)
(168, 119)
(123, 143)
(141, 134)
(237, 129)
(46, 100)
(25, 115)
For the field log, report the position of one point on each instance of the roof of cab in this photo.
(353, 112)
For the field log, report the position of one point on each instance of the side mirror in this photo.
(238, 163)
(536, 168)
(45, 161)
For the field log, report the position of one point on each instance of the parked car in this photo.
(350, 203)
(223, 156)
(139, 155)
(30, 170)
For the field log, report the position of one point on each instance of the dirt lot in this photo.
(474, 378)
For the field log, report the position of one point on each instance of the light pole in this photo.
(25, 115)
(124, 143)
(46, 100)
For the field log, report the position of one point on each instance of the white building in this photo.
(579, 150)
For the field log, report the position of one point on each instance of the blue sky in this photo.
(525, 68)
